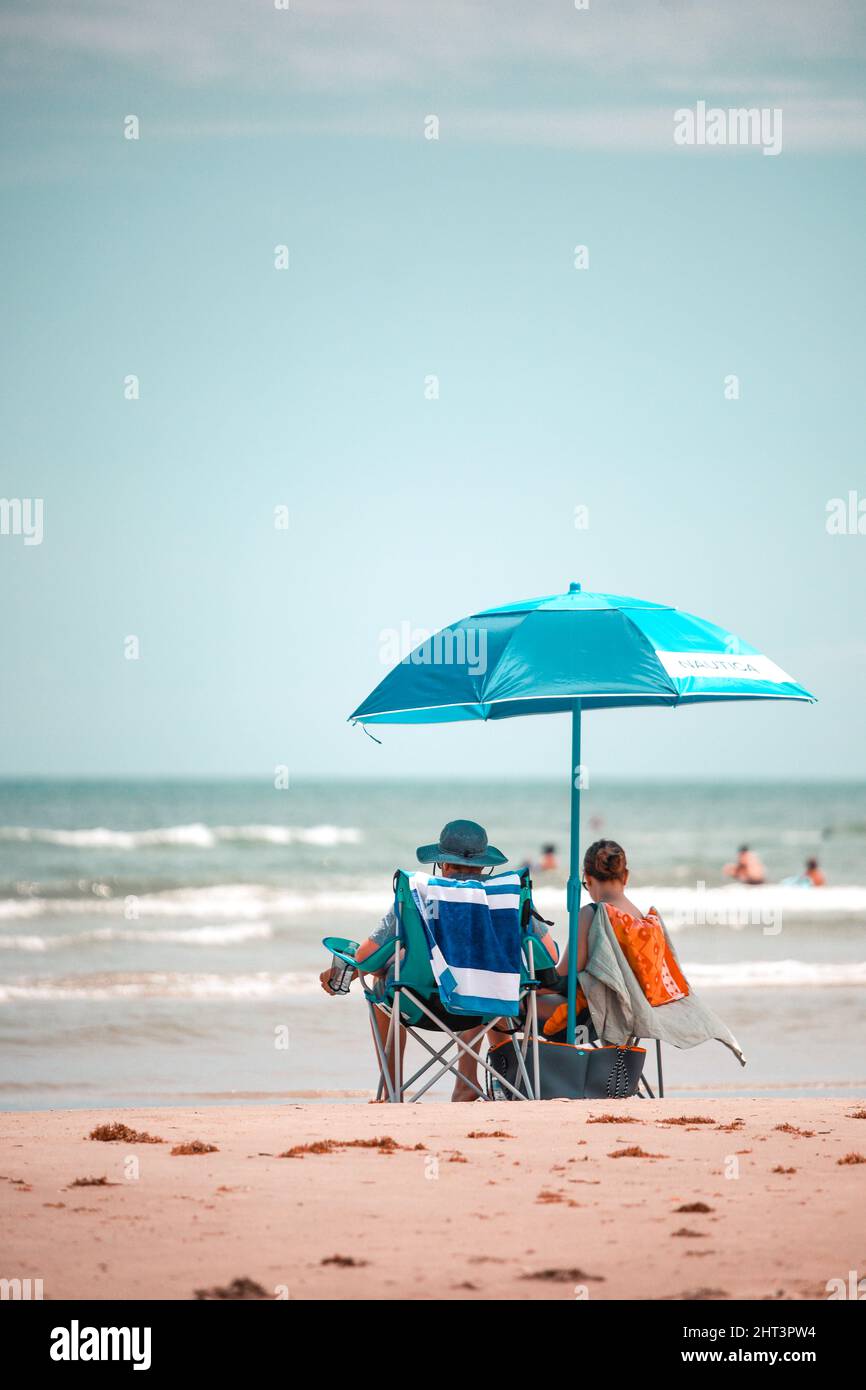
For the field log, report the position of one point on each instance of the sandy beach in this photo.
(756, 1199)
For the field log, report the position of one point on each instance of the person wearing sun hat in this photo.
(462, 844)
(461, 850)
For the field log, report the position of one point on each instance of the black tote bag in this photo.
(568, 1072)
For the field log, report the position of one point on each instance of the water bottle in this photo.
(341, 975)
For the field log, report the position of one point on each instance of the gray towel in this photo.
(620, 1010)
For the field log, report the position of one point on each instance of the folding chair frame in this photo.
(398, 1087)
(444, 1059)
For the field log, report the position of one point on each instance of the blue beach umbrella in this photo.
(565, 654)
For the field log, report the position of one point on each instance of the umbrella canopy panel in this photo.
(540, 656)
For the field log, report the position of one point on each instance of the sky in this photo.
(308, 388)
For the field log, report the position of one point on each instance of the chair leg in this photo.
(532, 1019)
(398, 1060)
(384, 1070)
(536, 1064)
(462, 1047)
(659, 1068)
(520, 1056)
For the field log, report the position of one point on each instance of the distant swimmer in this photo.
(747, 868)
(811, 877)
(548, 861)
(815, 874)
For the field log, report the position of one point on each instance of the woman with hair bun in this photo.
(605, 876)
(642, 937)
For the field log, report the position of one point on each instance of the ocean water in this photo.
(160, 942)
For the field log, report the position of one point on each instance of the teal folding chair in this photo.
(411, 1000)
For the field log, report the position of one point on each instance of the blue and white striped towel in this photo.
(473, 930)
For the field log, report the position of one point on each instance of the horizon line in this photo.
(361, 779)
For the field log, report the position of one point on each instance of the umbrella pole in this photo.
(573, 892)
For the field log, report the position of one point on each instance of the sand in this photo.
(542, 1210)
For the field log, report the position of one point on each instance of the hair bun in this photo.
(605, 860)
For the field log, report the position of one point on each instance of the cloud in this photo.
(542, 73)
(807, 125)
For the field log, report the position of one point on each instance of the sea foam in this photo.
(255, 985)
(194, 836)
(104, 985)
(682, 908)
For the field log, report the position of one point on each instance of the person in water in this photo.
(814, 874)
(746, 868)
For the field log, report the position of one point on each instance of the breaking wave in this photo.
(104, 986)
(233, 901)
(255, 985)
(681, 908)
(194, 836)
(183, 936)
(776, 974)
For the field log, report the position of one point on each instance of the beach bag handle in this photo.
(618, 1086)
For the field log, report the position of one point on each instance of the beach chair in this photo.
(412, 1001)
(619, 1005)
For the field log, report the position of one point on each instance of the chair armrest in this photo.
(345, 950)
(378, 959)
(342, 948)
(541, 957)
